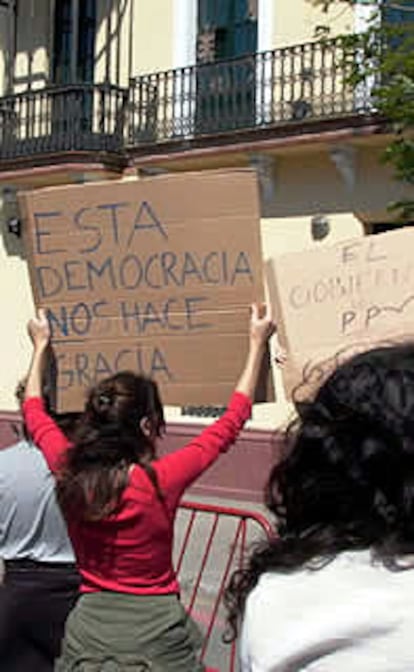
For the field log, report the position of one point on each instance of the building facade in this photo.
(110, 89)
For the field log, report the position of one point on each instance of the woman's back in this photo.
(129, 550)
(351, 615)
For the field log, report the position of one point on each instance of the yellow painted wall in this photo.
(309, 184)
(376, 188)
(152, 36)
(16, 309)
(295, 21)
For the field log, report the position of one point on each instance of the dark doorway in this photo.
(73, 66)
(226, 80)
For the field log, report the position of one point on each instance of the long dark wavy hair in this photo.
(109, 439)
(346, 480)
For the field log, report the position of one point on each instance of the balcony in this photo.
(55, 120)
(278, 89)
(278, 92)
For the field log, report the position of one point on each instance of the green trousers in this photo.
(117, 632)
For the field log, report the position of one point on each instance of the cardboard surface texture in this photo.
(335, 301)
(154, 275)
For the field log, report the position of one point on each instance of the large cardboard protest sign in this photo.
(335, 301)
(152, 275)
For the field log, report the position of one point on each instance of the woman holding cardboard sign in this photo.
(120, 504)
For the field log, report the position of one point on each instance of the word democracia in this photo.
(156, 272)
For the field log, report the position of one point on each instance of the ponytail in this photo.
(108, 442)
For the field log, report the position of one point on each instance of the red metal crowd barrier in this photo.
(211, 541)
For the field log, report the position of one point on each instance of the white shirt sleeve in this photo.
(349, 615)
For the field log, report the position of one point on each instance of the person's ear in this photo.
(145, 426)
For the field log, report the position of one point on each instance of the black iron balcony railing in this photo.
(78, 117)
(284, 87)
(307, 82)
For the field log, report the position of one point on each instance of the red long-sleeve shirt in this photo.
(130, 551)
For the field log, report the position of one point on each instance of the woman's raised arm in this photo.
(41, 427)
(179, 469)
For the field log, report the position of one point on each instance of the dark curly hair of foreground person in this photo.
(346, 480)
